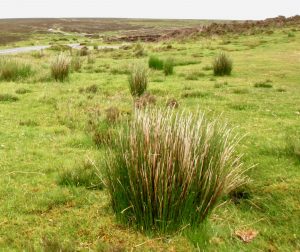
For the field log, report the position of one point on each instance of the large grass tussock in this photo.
(12, 69)
(60, 67)
(169, 169)
(138, 80)
(222, 65)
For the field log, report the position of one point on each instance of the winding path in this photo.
(37, 48)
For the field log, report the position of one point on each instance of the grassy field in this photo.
(44, 133)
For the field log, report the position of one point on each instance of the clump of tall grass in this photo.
(138, 80)
(139, 50)
(263, 84)
(12, 69)
(91, 59)
(293, 145)
(84, 51)
(76, 63)
(155, 63)
(60, 67)
(222, 65)
(169, 66)
(168, 170)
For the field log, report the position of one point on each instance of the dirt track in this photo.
(37, 48)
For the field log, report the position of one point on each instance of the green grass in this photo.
(155, 63)
(12, 69)
(36, 212)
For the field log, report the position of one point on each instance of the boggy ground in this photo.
(44, 130)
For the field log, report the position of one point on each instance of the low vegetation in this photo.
(60, 67)
(50, 135)
(170, 170)
(138, 80)
(85, 174)
(222, 65)
(169, 66)
(156, 63)
(12, 69)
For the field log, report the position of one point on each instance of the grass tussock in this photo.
(172, 103)
(13, 69)
(22, 91)
(293, 145)
(8, 98)
(168, 170)
(169, 66)
(194, 75)
(138, 80)
(156, 63)
(103, 126)
(222, 65)
(139, 50)
(85, 174)
(60, 67)
(76, 63)
(241, 91)
(194, 94)
(145, 100)
(28, 123)
(84, 51)
(263, 84)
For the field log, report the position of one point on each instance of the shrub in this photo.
(11, 69)
(168, 170)
(155, 63)
(60, 67)
(222, 65)
(138, 80)
(169, 66)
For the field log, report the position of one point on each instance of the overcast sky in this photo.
(193, 9)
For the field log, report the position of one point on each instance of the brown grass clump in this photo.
(60, 67)
(144, 101)
(168, 170)
(112, 114)
(172, 103)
